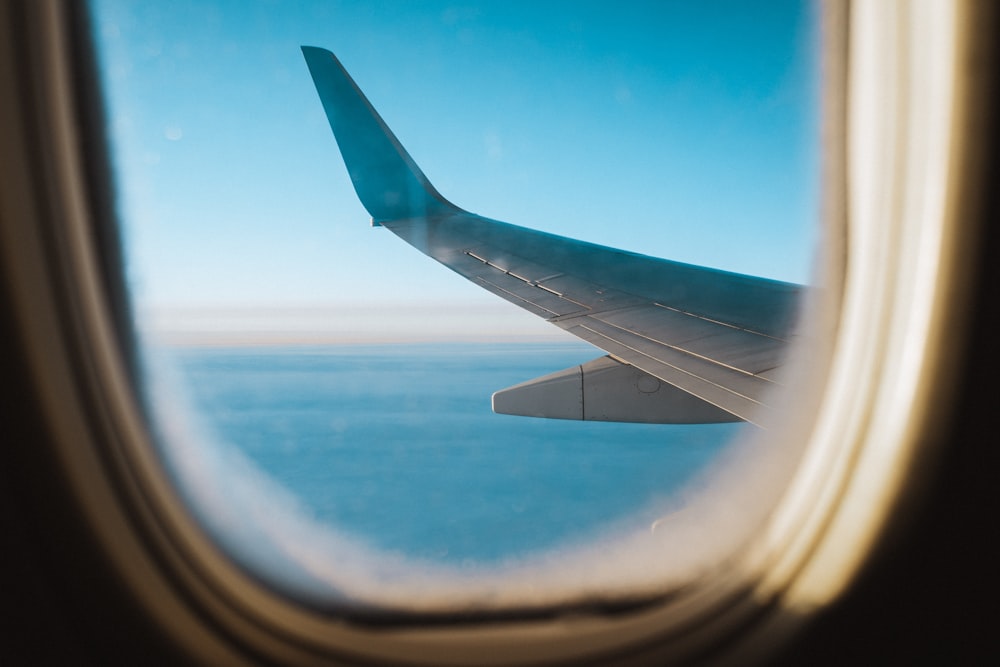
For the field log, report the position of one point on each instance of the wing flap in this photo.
(711, 392)
(606, 390)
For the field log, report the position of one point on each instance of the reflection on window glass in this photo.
(321, 390)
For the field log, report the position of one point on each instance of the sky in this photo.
(680, 130)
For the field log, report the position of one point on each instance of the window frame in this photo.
(92, 453)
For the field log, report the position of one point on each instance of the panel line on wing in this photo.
(694, 358)
(718, 395)
(744, 358)
(528, 282)
(517, 300)
(725, 324)
(728, 346)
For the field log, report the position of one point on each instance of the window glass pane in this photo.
(321, 390)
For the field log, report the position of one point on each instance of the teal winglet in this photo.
(388, 182)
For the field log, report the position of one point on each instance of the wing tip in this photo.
(388, 182)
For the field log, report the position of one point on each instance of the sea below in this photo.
(397, 445)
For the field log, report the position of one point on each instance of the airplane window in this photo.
(320, 389)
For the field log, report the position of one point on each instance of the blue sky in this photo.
(681, 130)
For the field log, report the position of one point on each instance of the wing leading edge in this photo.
(688, 344)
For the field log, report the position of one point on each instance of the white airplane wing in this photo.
(686, 344)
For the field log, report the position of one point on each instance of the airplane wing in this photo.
(685, 343)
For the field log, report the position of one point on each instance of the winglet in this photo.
(388, 182)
